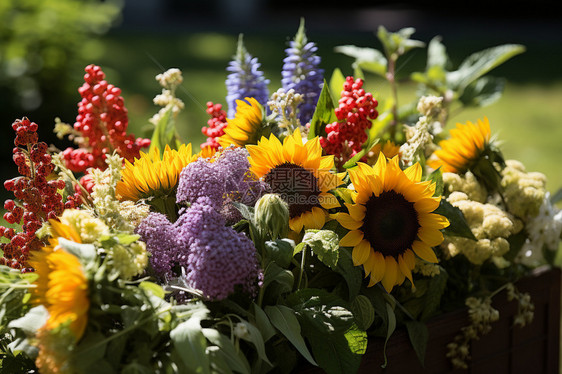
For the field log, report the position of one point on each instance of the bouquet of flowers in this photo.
(311, 219)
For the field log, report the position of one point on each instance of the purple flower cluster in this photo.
(211, 256)
(214, 257)
(245, 80)
(225, 180)
(301, 73)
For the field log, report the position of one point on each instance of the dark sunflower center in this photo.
(296, 185)
(390, 224)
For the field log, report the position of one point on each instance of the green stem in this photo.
(301, 267)
(391, 78)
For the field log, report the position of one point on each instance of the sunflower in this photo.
(463, 149)
(391, 221)
(61, 286)
(246, 126)
(151, 176)
(389, 149)
(299, 174)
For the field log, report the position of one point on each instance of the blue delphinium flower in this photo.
(301, 73)
(245, 79)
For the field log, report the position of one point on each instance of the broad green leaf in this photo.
(339, 353)
(84, 252)
(256, 338)
(320, 310)
(336, 83)
(274, 273)
(398, 43)
(325, 244)
(32, 321)
(363, 311)
(92, 349)
(131, 368)
(516, 242)
(368, 59)
(284, 319)
(190, 343)
(418, 333)
(263, 323)
(480, 63)
(153, 288)
(246, 211)
(352, 274)
(437, 54)
(165, 132)
(457, 222)
(235, 360)
(218, 363)
(435, 290)
(436, 176)
(482, 92)
(391, 318)
(280, 251)
(323, 114)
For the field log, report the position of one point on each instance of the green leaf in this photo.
(352, 274)
(245, 210)
(398, 43)
(418, 333)
(482, 92)
(516, 242)
(391, 318)
(127, 239)
(274, 273)
(218, 363)
(191, 345)
(480, 63)
(153, 288)
(363, 312)
(92, 348)
(323, 114)
(457, 222)
(437, 54)
(436, 176)
(368, 59)
(133, 368)
(85, 252)
(325, 244)
(235, 360)
(320, 310)
(32, 321)
(165, 132)
(263, 323)
(256, 338)
(435, 291)
(336, 83)
(280, 251)
(339, 353)
(283, 318)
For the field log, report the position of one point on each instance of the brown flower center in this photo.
(390, 224)
(296, 185)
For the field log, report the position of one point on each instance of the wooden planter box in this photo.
(534, 348)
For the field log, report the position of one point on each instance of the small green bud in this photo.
(271, 216)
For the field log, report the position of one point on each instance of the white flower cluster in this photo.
(481, 314)
(169, 80)
(490, 225)
(544, 231)
(523, 192)
(105, 203)
(427, 269)
(284, 106)
(419, 138)
(525, 309)
(466, 183)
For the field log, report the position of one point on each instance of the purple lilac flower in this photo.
(301, 73)
(159, 235)
(245, 80)
(225, 180)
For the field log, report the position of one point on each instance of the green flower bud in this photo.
(271, 216)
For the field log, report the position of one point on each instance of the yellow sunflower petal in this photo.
(352, 238)
(347, 221)
(361, 252)
(424, 251)
(431, 237)
(390, 273)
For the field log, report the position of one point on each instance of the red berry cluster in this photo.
(102, 120)
(217, 123)
(355, 112)
(36, 193)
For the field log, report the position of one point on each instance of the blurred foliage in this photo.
(41, 40)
